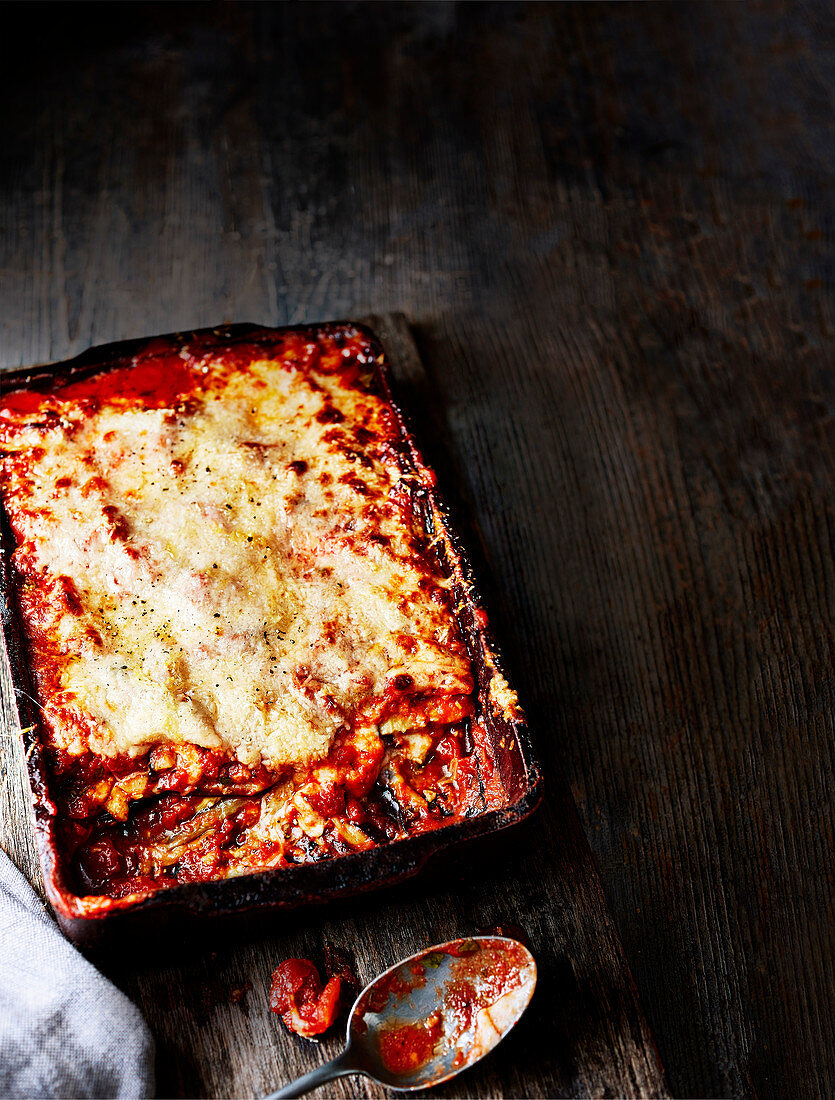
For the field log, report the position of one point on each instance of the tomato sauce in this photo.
(405, 1048)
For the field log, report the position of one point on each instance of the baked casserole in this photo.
(242, 624)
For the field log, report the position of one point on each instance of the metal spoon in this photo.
(432, 1015)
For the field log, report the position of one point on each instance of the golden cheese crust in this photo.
(217, 549)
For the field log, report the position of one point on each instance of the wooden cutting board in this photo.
(585, 1033)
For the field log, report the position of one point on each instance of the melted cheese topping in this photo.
(238, 570)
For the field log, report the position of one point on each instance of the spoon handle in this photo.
(339, 1067)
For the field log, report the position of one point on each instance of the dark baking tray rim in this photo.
(284, 888)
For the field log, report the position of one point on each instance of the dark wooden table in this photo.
(610, 229)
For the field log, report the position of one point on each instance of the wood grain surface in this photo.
(610, 228)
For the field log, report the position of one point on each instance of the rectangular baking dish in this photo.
(305, 884)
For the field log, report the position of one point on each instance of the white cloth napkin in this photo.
(65, 1031)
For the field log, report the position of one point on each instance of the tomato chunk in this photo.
(99, 862)
(297, 996)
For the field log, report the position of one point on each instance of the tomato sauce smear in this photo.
(477, 975)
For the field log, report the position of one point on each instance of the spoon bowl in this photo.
(432, 1015)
